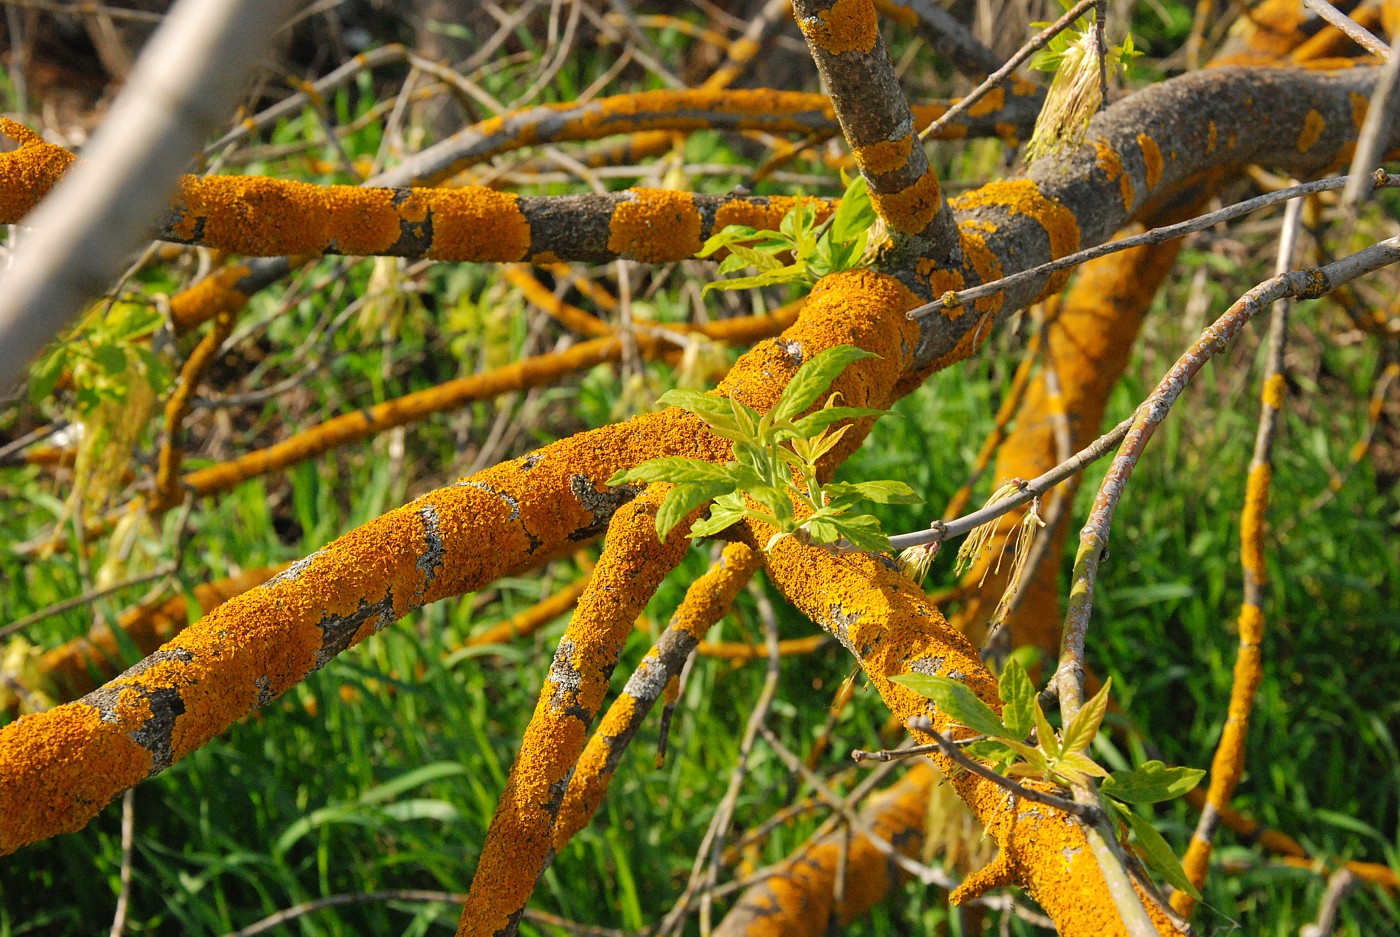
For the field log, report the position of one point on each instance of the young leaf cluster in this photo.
(1061, 758)
(773, 477)
(100, 355)
(801, 249)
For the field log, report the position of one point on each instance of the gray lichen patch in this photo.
(600, 504)
(337, 631)
(431, 559)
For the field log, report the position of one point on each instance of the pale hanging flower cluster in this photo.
(1076, 93)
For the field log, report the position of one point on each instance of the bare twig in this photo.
(1380, 115)
(1093, 542)
(128, 837)
(1338, 884)
(1353, 30)
(1380, 180)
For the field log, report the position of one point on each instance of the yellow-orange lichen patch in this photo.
(28, 173)
(477, 224)
(254, 215)
(1313, 125)
(991, 102)
(1211, 133)
(59, 768)
(1111, 163)
(885, 156)
(903, 15)
(1274, 389)
(942, 280)
(1360, 104)
(983, 260)
(364, 221)
(1151, 159)
(210, 297)
(1023, 197)
(911, 209)
(846, 26)
(1256, 503)
(767, 217)
(655, 225)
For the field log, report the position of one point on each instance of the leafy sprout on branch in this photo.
(839, 243)
(775, 465)
(1021, 743)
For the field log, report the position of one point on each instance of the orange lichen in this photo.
(1360, 104)
(1274, 390)
(767, 217)
(58, 767)
(210, 297)
(520, 839)
(568, 315)
(1210, 137)
(885, 156)
(706, 601)
(477, 224)
(1256, 503)
(1313, 126)
(910, 210)
(29, 172)
(1151, 159)
(972, 235)
(846, 26)
(1112, 165)
(655, 225)
(903, 15)
(1023, 197)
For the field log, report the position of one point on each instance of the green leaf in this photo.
(1160, 856)
(729, 234)
(1018, 699)
(785, 275)
(676, 470)
(43, 377)
(760, 260)
(813, 379)
(775, 502)
(1044, 732)
(717, 412)
(855, 214)
(863, 532)
(813, 423)
(956, 701)
(682, 499)
(1085, 726)
(882, 491)
(823, 530)
(998, 753)
(721, 517)
(110, 358)
(1151, 782)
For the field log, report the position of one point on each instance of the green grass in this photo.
(382, 771)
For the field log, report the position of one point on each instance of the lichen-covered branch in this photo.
(844, 38)
(705, 603)
(520, 841)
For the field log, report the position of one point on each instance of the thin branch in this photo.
(1035, 44)
(1380, 115)
(1093, 542)
(1380, 180)
(1088, 814)
(86, 598)
(1338, 884)
(1353, 30)
(1028, 491)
